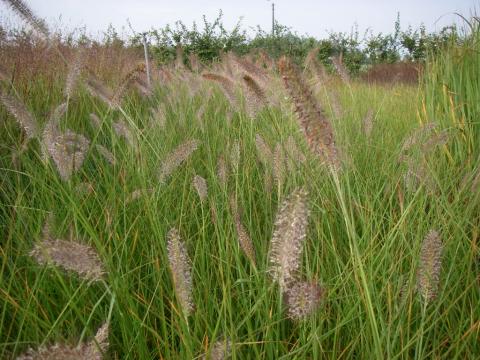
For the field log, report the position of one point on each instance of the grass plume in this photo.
(19, 111)
(177, 157)
(68, 255)
(316, 128)
(181, 270)
(430, 266)
(290, 231)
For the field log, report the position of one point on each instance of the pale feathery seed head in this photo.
(159, 116)
(130, 78)
(235, 155)
(92, 350)
(303, 298)
(227, 85)
(68, 151)
(221, 350)
(255, 98)
(244, 239)
(99, 90)
(68, 255)
(290, 230)
(181, 269)
(368, 123)
(430, 266)
(122, 130)
(264, 151)
(137, 194)
(200, 185)
(176, 158)
(24, 11)
(315, 126)
(222, 171)
(339, 66)
(436, 139)
(74, 72)
(19, 111)
(95, 121)
(417, 136)
(106, 154)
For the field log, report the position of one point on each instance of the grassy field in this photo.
(364, 244)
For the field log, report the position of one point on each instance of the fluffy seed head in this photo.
(136, 194)
(68, 151)
(123, 130)
(438, 139)
(315, 126)
(200, 185)
(181, 269)
(337, 62)
(227, 85)
(264, 152)
(417, 136)
(74, 71)
(51, 129)
(176, 158)
(158, 116)
(255, 97)
(23, 117)
(130, 78)
(69, 255)
(244, 239)
(428, 275)
(246, 66)
(100, 91)
(368, 123)
(106, 154)
(95, 121)
(303, 298)
(418, 174)
(235, 155)
(220, 350)
(92, 350)
(290, 230)
(222, 171)
(24, 11)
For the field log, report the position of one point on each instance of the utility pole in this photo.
(273, 19)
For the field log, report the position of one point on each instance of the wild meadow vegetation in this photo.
(248, 208)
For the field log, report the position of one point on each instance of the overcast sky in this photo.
(304, 16)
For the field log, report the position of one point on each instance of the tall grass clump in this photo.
(452, 95)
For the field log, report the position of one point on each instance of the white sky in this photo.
(304, 16)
